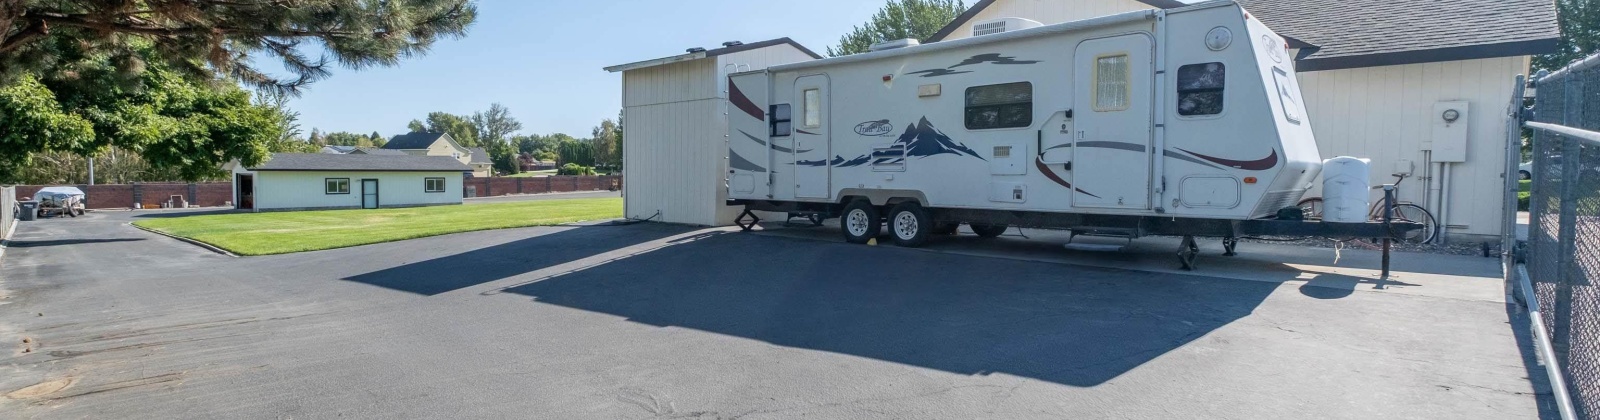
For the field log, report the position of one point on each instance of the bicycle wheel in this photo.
(1311, 208)
(1416, 214)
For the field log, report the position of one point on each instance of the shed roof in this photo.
(712, 53)
(360, 163)
(1369, 33)
(413, 141)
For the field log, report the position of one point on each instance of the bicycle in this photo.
(1404, 211)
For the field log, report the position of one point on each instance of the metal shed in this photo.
(675, 109)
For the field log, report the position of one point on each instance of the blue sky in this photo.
(543, 59)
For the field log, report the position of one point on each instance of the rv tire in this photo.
(988, 231)
(909, 224)
(860, 222)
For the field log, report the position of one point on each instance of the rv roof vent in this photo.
(991, 27)
(898, 43)
(696, 50)
(732, 44)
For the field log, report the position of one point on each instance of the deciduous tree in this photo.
(899, 19)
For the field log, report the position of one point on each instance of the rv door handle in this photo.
(1066, 166)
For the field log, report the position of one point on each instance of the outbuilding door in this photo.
(812, 158)
(369, 193)
(1112, 148)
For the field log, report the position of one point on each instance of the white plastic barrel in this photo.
(1346, 184)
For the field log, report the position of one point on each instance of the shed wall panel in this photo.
(676, 82)
(674, 156)
(1386, 114)
(304, 190)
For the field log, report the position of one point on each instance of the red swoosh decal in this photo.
(1045, 169)
(1249, 165)
(743, 102)
(806, 132)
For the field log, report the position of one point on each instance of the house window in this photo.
(1111, 83)
(781, 120)
(336, 185)
(1007, 105)
(813, 108)
(1200, 89)
(433, 185)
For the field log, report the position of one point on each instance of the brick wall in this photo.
(494, 187)
(152, 195)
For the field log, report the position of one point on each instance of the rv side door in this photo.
(1112, 139)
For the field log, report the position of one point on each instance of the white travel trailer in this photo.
(1183, 121)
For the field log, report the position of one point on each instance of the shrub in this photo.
(574, 169)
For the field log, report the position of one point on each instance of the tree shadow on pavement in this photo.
(1066, 324)
(443, 274)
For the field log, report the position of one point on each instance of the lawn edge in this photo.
(220, 250)
(191, 241)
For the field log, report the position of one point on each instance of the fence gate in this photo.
(1562, 255)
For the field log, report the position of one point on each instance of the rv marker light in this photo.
(1249, 180)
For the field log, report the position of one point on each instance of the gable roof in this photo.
(479, 155)
(412, 141)
(964, 17)
(360, 163)
(1368, 33)
(712, 53)
(338, 149)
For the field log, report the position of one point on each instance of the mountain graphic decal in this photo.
(919, 140)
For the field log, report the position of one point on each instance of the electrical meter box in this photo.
(1450, 121)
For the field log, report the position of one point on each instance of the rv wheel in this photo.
(910, 224)
(987, 231)
(861, 222)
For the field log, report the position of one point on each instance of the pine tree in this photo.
(206, 39)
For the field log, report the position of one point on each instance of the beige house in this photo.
(1375, 74)
(440, 144)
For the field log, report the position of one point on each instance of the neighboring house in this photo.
(304, 181)
(441, 144)
(673, 105)
(376, 151)
(1375, 75)
(338, 150)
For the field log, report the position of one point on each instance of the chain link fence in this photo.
(1563, 249)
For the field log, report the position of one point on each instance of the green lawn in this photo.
(1522, 194)
(286, 232)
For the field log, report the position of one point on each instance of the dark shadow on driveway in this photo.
(970, 315)
(510, 259)
(167, 214)
(60, 242)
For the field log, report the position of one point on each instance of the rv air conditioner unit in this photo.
(991, 27)
(898, 43)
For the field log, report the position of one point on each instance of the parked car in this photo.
(1525, 170)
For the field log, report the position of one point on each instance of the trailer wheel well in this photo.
(882, 197)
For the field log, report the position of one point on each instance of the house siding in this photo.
(305, 190)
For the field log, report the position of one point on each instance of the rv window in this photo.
(1008, 105)
(813, 108)
(1291, 105)
(1200, 89)
(780, 120)
(1111, 83)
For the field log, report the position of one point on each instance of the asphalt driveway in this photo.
(659, 321)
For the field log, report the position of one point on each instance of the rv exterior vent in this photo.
(695, 50)
(732, 44)
(898, 43)
(991, 27)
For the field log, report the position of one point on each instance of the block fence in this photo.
(149, 195)
(494, 187)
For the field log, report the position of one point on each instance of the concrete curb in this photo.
(208, 247)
